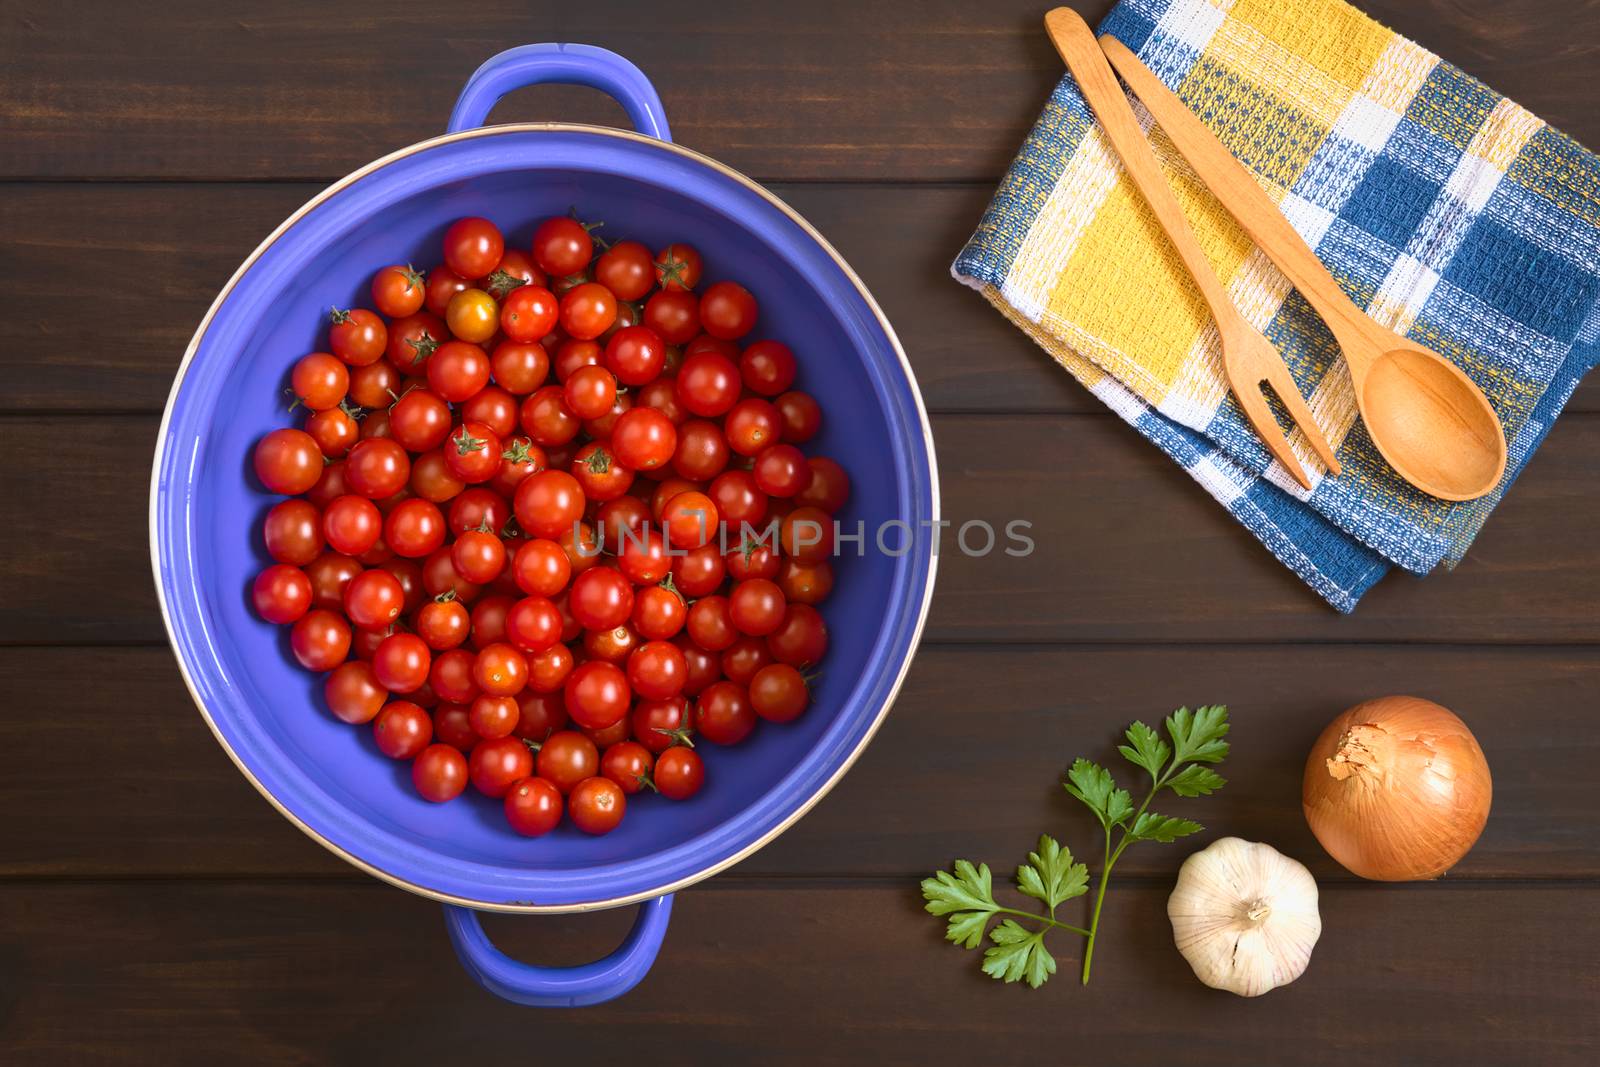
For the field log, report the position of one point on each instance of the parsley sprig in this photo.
(1052, 876)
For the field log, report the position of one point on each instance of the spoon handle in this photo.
(1075, 41)
(1238, 191)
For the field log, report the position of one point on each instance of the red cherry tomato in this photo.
(753, 557)
(413, 339)
(779, 693)
(419, 420)
(596, 694)
(541, 568)
(801, 415)
(478, 556)
(805, 583)
(281, 593)
(699, 571)
(373, 599)
(562, 246)
(781, 471)
(398, 291)
(451, 676)
(627, 269)
(353, 692)
(534, 623)
(644, 439)
(432, 479)
(374, 385)
(548, 670)
(727, 311)
(330, 573)
(673, 315)
(679, 773)
(723, 715)
(658, 613)
(542, 714)
(627, 763)
(414, 528)
(657, 724)
(443, 624)
(320, 381)
(710, 625)
(756, 607)
(500, 670)
(457, 369)
(801, 640)
(333, 431)
(588, 310)
(744, 658)
(589, 392)
(358, 336)
(439, 773)
(601, 598)
(352, 524)
(708, 384)
(377, 468)
(596, 805)
(477, 508)
(498, 762)
(452, 725)
(767, 367)
(293, 532)
(691, 519)
(494, 407)
(702, 451)
(546, 418)
(529, 313)
(402, 730)
(320, 640)
(678, 267)
(807, 535)
(533, 807)
(288, 462)
(401, 663)
(494, 716)
(738, 499)
(519, 366)
(549, 503)
(752, 425)
(656, 670)
(566, 759)
(635, 354)
(828, 487)
(472, 247)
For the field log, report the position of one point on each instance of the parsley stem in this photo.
(1044, 919)
(1111, 857)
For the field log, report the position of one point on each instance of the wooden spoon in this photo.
(1248, 358)
(1428, 419)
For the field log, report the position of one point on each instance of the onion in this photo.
(1397, 789)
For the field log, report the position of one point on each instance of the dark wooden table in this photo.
(154, 909)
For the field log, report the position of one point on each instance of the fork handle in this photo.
(1239, 192)
(1081, 52)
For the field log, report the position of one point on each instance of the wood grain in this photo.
(844, 90)
(966, 764)
(796, 972)
(1128, 547)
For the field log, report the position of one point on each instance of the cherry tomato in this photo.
(828, 487)
(533, 807)
(699, 571)
(744, 658)
(635, 354)
(549, 503)
(781, 471)
(627, 269)
(293, 532)
(401, 663)
(673, 315)
(738, 500)
(628, 764)
(333, 430)
(571, 355)
(397, 291)
(601, 598)
(473, 453)
(801, 640)
(613, 645)
(519, 366)
(534, 623)
(413, 339)
(679, 773)
(330, 573)
(472, 247)
(516, 268)
(472, 315)
(541, 568)
(320, 381)
(530, 312)
(581, 546)
(779, 693)
(723, 715)
(452, 725)
(377, 468)
(288, 461)
(801, 416)
(643, 556)
(656, 670)
(656, 724)
(419, 420)
(478, 556)
(478, 508)
(600, 475)
(373, 386)
(596, 694)
(596, 805)
(691, 519)
(439, 773)
(373, 599)
(753, 557)
(496, 763)
(519, 458)
(589, 392)
(710, 625)
(358, 336)
(439, 576)
(805, 583)
(702, 451)
(414, 528)
(500, 670)
(402, 730)
(542, 714)
(562, 246)
(678, 267)
(548, 670)
(662, 395)
(546, 418)
(494, 716)
(351, 524)
(281, 593)
(320, 640)
(658, 613)
(727, 311)
(807, 535)
(443, 624)
(756, 607)
(566, 759)
(489, 620)
(751, 426)
(588, 310)
(644, 439)
(456, 370)
(708, 384)
(704, 668)
(621, 517)
(767, 367)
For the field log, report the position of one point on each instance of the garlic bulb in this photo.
(1245, 916)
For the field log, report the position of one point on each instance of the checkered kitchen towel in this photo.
(1449, 212)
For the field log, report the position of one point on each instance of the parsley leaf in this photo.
(1018, 955)
(1196, 781)
(1093, 784)
(1147, 751)
(1152, 827)
(967, 897)
(1198, 736)
(1051, 876)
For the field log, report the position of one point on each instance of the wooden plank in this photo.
(845, 90)
(965, 766)
(804, 972)
(1129, 548)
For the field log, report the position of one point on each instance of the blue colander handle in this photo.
(559, 987)
(566, 64)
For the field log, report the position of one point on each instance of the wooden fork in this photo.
(1248, 359)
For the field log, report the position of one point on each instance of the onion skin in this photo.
(1396, 789)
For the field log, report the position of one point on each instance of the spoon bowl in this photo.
(1431, 423)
